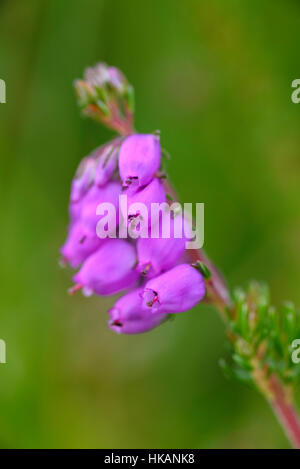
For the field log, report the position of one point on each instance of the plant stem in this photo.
(269, 385)
(115, 121)
(283, 409)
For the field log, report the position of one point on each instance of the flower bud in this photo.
(129, 317)
(102, 76)
(78, 246)
(105, 94)
(174, 291)
(110, 269)
(139, 159)
(97, 195)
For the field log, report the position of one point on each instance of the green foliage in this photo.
(259, 332)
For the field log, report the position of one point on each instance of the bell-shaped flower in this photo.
(129, 317)
(78, 246)
(109, 270)
(106, 164)
(158, 254)
(137, 208)
(83, 179)
(139, 160)
(96, 196)
(174, 291)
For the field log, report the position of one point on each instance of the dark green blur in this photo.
(215, 77)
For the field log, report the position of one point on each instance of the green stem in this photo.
(269, 385)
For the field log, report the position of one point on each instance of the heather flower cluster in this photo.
(109, 246)
(153, 272)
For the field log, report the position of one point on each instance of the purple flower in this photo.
(156, 255)
(106, 164)
(78, 246)
(139, 159)
(110, 269)
(83, 179)
(97, 195)
(75, 211)
(174, 291)
(129, 317)
(138, 209)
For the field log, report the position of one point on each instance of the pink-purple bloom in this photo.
(139, 160)
(78, 246)
(174, 291)
(129, 317)
(156, 255)
(97, 195)
(110, 269)
(83, 179)
(151, 270)
(154, 192)
(106, 165)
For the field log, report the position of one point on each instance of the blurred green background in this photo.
(215, 77)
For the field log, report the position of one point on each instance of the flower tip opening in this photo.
(131, 182)
(150, 299)
(115, 325)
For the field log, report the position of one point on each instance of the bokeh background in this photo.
(215, 78)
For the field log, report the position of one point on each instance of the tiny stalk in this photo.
(259, 335)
